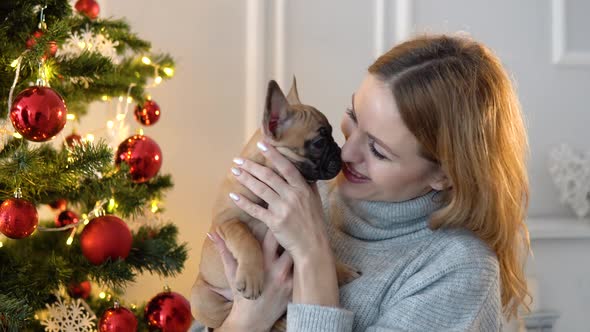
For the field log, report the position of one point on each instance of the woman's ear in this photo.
(439, 180)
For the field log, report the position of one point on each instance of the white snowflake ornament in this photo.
(87, 41)
(571, 174)
(69, 317)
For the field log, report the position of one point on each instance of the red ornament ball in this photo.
(32, 41)
(51, 46)
(18, 218)
(148, 114)
(88, 8)
(73, 139)
(59, 204)
(105, 237)
(117, 319)
(66, 217)
(80, 290)
(169, 312)
(38, 113)
(142, 154)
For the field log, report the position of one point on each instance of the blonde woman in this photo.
(429, 207)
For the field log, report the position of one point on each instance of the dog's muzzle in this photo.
(326, 167)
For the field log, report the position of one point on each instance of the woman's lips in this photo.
(351, 175)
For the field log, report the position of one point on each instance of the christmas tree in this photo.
(54, 61)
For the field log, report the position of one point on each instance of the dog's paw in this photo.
(249, 281)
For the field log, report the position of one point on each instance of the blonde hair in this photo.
(457, 99)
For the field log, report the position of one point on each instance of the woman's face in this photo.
(381, 156)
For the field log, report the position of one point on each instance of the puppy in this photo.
(303, 135)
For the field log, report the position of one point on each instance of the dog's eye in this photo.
(320, 143)
(325, 131)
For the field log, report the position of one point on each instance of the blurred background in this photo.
(226, 51)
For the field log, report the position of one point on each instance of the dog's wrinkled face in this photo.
(301, 133)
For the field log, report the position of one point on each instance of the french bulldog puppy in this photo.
(303, 135)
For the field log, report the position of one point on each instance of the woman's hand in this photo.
(295, 217)
(294, 212)
(262, 313)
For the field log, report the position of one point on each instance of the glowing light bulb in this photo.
(102, 295)
(14, 63)
(168, 71)
(71, 116)
(105, 98)
(146, 60)
(90, 138)
(158, 79)
(154, 206)
(110, 124)
(129, 100)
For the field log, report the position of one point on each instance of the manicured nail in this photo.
(210, 236)
(234, 196)
(236, 171)
(262, 146)
(239, 161)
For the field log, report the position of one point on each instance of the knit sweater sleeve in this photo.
(464, 298)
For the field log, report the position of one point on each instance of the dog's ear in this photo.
(293, 96)
(276, 112)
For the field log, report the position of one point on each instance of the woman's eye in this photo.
(375, 152)
(351, 114)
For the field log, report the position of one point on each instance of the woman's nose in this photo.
(351, 150)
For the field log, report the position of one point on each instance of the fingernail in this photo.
(236, 171)
(262, 146)
(233, 196)
(210, 236)
(239, 161)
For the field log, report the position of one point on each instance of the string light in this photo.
(154, 206)
(129, 100)
(112, 205)
(146, 60)
(17, 135)
(14, 63)
(105, 98)
(85, 218)
(158, 79)
(71, 237)
(90, 138)
(71, 116)
(110, 124)
(1, 244)
(102, 295)
(169, 71)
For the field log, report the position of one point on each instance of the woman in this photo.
(429, 207)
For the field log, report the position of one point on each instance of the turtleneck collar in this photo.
(377, 221)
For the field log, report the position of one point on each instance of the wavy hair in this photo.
(455, 96)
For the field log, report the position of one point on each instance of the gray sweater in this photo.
(413, 278)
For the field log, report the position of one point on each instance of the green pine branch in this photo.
(32, 269)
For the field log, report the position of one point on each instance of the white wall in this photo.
(215, 98)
